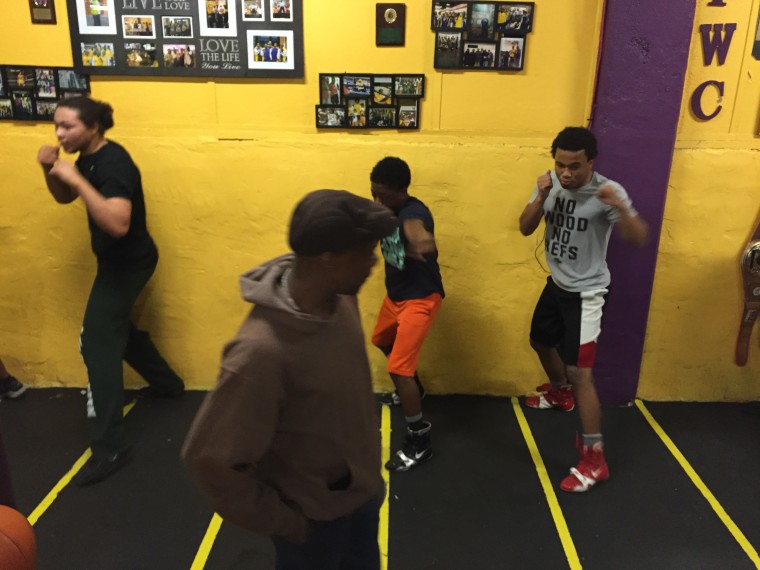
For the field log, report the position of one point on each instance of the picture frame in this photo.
(254, 10)
(23, 108)
(449, 16)
(331, 117)
(142, 27)
(408, 86)
(331, 88)
(448, 50)
(478, 55)
(68, 79)
(270, 49)
(20, 78)
(482, 21)
(511, 53)
(280, 11)
(177, 27)
(97, 54)
(382, 90)
(383, 117)
(140, 54)
(6, 110)
(44, 80)
(218, 18)
(356, 112)
(390, 24)
(408, 114)
(179, 56)
(45, 110)
(357, 85)
(514, 18)
(42, 11)
(96, 17)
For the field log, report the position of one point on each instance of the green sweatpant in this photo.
(108, 338)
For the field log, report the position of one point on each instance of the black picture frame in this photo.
(390, 24)
(408, 113)
(482, 21)
(357, 109)
(409, 85)
(519, 18)
(30, 93)
(330, 88)
(219, 40)
(357, 85)
(331, 117)
(509, 58)
(383, 117)
(448, 50)
(479, 55)
(42, 11)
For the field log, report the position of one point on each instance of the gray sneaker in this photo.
(11, 388)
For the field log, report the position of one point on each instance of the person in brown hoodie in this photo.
(287, 445)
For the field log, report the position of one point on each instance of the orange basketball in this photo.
(18, 550)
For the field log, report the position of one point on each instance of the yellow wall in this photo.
(712, 205)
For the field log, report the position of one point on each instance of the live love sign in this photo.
(188, 38)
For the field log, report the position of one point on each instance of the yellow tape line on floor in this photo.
(699, 484)
(551, 497)
(207, 543)
(382, 535)
(53, 494)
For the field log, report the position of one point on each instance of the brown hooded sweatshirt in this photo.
(291, 429)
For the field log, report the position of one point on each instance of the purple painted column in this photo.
(640, 84)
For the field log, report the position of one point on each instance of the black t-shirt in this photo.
(407, 278)
(114, 174)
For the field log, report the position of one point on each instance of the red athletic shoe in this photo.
(591, 469)
(550, 397)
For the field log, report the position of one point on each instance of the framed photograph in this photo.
(42, 11)
(382, 90)
(357, 113)
(218, 17)
(140, 54)
(6, 109)
(281, 10)
(409, 86)
(514, 18)
(45, 110)
(177, 27)
(70, 79)
(390, 24)
(96, 17)
(331, 117)
(20, 77)
(511, 53)
(448, 50)
(408, 114)
(479, 55)
(98, 55)
(357, 85)
(482, 21)
(139, 27)
(45, 80)
(22, 105)
(330, 86)
(270, 49)
(253, 10)
(179, 56)
(382, 117)
(449, 16)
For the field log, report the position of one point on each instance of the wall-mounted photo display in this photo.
(29, 93)
(365, 100)
(482, 36)
(195, 38)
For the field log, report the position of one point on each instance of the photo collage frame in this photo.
(29, 93)
(188, 38)
(481, 36)
(369, 101)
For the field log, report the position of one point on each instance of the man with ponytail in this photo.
(108, 182)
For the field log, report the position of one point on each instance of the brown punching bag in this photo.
(750, 262)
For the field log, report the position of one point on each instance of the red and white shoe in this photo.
(591, 469)
(550, 397)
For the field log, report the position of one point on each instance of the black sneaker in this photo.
(416, 450)
(392, 398)
(11, 388)
(100, 467)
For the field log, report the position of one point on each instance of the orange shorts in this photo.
(403, 327)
